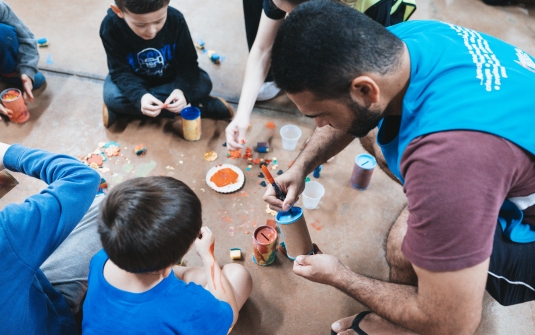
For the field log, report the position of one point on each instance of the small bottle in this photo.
(191, 123)
(362, 171)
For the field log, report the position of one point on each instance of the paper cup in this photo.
(290, 136)
(312, 194)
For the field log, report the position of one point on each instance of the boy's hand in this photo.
(27, 85)
(6, 111)
(204, 243)
(151, 106)
(176, 101)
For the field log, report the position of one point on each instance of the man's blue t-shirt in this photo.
(171, 307)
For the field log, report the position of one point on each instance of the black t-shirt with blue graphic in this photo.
(136, 64)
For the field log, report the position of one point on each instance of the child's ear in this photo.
(116, 10)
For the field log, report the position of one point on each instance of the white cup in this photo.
(312, 194)
(290, 135)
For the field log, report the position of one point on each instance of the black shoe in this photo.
(215, 108)
(108, 117)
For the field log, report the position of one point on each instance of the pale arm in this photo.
(256, 70)
(216, 281)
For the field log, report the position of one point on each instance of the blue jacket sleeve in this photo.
(36, 227)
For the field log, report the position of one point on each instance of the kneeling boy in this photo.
(153, 64)
(147, 225)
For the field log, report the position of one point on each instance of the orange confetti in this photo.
(271, 125)
(234, 154)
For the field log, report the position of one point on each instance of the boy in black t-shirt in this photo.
(153, 64)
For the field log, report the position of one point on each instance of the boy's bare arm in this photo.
(216, 282)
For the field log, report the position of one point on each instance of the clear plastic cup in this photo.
(312, 194)
(290, 136)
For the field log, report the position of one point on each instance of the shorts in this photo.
(511, 277)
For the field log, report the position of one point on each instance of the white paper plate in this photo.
(229, 188)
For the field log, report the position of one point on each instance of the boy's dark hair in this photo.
(323, 45)
(148, 224)
(141, 6)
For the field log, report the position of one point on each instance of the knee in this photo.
(112, 95)
(237, 272)
(9, 41)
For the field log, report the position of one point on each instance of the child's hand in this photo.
(27, 85)
(176, 101)
(204, 243)
(151, 106)
(6, 111)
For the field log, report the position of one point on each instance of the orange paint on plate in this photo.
(224, 177)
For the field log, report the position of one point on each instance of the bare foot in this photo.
(371, 324)
(343, 326)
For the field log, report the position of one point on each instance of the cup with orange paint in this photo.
(12, 99)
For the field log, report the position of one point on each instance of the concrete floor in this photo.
(349, 224)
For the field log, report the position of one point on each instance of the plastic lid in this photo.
(365, 161)
(190, 113)
(290, 216)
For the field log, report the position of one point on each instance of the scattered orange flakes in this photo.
(234, 153)
(290, 165)
(248, 153)
(271, 125)
(256, 161)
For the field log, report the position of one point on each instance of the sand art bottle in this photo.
(191, 123)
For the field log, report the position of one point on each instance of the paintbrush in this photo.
(270, 179)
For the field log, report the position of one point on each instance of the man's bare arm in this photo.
(325, 143)
(443, 302)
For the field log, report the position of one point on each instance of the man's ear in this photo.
(364, 90)
(116, 10)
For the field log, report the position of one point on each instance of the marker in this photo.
(278, 191)
(270, 179)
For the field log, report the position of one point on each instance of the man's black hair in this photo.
(141, 6)
(148, 224)
(323, 45)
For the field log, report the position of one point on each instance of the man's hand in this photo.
(151, 106)
(176, 101)
(291, 183)
(319, 268)
(204, 243)
(235, 131)
(6, 111)
(27, 85)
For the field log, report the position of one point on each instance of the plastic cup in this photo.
(290, 135)
(312, 194)
(12, 99)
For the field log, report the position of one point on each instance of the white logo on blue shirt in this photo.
(489, 70)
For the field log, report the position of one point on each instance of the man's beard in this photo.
(364, 119)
